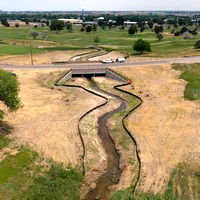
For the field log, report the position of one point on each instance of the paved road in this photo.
(193, 59)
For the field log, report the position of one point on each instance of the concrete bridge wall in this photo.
(92, 72)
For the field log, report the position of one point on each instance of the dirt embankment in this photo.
(166, 127)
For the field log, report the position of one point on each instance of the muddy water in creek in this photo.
(113, 173)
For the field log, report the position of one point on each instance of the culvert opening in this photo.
(89, 75)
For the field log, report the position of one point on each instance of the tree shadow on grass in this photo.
(139, 54)
(5, 128)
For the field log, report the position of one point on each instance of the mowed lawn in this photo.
(15, 41)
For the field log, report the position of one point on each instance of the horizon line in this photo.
(99, 10)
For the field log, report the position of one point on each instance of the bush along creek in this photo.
(113, 172)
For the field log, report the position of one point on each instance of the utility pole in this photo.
(31, 52)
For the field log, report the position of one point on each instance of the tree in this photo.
(94, 27)
(110, 25)
(69, 26)
(119, 20)
(159, 36)
(175, 25)
(194, 32)
(172, 31)
(197, 45)
(132, 30)
(9, 89)
(47, 23)
(141, 46)
(17, 25)
(183, 30)
(88, 29)
(4, 22)
(123, 27)
(56, 25)
(27, 22)
(101, 23)
(160, 22)
(150, 24)
(142, 29)
(82, 29)
(34, 34)
(177, 33)
(158, 29)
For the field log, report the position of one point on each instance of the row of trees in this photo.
(168, 18)
(150, 20)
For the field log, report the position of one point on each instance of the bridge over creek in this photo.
(91, 72)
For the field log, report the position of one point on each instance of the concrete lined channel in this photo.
(113, 172)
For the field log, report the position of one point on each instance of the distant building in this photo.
(101, 18)
(129, 23)
(73, 21)
(111, 21)
(90, 23)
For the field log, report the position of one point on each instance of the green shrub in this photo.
(192, 75)
(56, 184)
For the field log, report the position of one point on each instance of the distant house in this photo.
(112, 21)
(90, 23)
(101, 18)
(129, 23)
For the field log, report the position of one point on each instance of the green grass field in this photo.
(191, 73)
(15, 41)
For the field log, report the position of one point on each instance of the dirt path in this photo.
(166, 127)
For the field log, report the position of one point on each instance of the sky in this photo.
(103, 5)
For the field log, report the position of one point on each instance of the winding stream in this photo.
(113, 172)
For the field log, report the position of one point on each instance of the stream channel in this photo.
(113, 172)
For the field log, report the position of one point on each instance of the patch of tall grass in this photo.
(191, 73)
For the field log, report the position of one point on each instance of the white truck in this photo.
(108, 61)
(120, 60)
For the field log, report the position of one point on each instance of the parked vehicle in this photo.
(108, 61)
(120, 60)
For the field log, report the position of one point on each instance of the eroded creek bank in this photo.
(113, 171)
